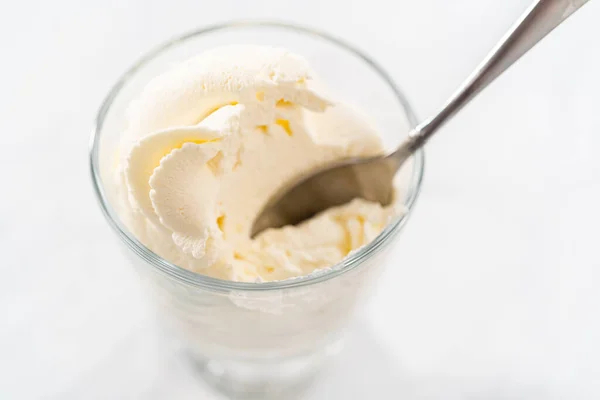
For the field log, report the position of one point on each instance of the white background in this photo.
(494, 290)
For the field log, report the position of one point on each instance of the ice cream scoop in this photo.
(209, 140)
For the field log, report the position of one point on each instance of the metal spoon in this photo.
(371, 178)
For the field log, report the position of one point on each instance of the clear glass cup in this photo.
(259, 338)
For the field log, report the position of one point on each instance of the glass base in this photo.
(265, 379)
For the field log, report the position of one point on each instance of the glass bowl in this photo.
(260, 338)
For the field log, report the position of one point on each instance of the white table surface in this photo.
(494, 294)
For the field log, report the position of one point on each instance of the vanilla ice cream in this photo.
(209, 141)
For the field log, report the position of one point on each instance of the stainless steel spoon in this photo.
(371, 178)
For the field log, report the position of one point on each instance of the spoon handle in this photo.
(540, 18)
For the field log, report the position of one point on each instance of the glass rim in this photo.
(353, 260)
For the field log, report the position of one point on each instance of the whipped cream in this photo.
(209, 141)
